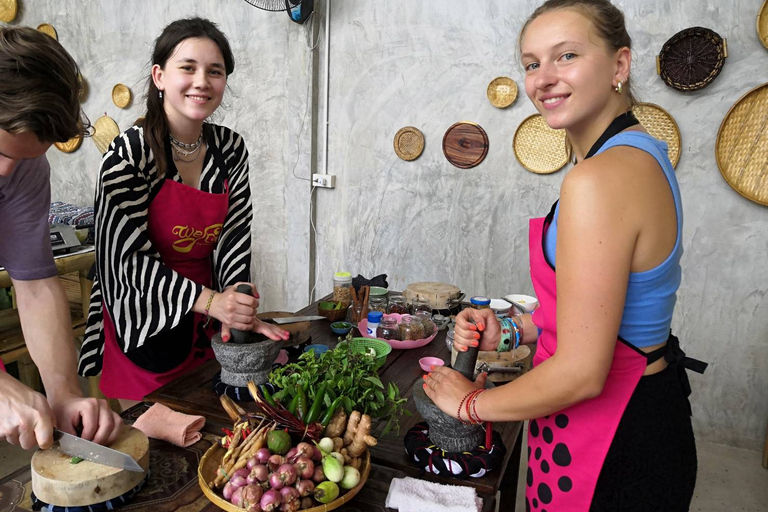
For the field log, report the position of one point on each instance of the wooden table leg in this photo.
(508, 485)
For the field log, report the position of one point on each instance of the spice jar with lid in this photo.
(426, 320)
(411, 329)
(388, 329)
(479, 302)
(421, 304)
(378, 303)
(397, 305)
(341, 283)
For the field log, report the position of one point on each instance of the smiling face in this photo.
(570, 72)
(192, 81)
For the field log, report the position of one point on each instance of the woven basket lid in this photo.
(762, 24)
(105, 130)
(691, 59)
(71, 145)
(465, 144)
(661, 125)
(538, 147)
(121, 95)
(741, 149)
(47, 29)
(409, 143)
(502, 92)
(8, 9)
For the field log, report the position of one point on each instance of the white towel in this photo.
(414, 495)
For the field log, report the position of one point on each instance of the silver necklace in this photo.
(181, 150)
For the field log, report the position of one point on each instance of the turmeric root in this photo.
(337, 424)
(358, 438)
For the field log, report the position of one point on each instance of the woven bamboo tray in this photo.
(409, 143)
(691, 59)
(8, 9)
(105, 130)
(209, 463)
(539, 148)
(47, 29)
(762, 24)
(502, 92)
(661, 125)
(741, 149)
(121, 95)
(71, 145)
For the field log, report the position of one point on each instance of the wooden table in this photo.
(193, 393)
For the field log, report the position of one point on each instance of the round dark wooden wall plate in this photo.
(465, 144)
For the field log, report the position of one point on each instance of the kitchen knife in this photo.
(78, 447)
(294, 319)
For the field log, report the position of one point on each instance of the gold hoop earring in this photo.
(619, 87)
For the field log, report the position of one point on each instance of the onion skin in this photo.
(258, 474)
(237, 497)
(305, 467)
(275, 461)
(227, 491)
(270, 500)
(275, 482)
(291, 455)
(238, 481)
(251, 495)
(305, 450)
(263, 455)
(287, 473)
(305, 488)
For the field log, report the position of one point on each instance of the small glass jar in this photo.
(397, 305)
(378, 303)
(449, 339)
(426, 320)
(420, 304)
(411, 329)
(341, 283)
(479, 302)
(388, 329)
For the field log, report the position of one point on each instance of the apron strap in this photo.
(675, 356)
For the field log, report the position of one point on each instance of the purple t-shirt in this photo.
(25, 239)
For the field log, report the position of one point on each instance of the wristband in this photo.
(208, 308)
(506, 334)
(518, 332)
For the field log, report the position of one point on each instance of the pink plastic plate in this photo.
(362, 326)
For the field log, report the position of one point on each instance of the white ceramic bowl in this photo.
(526, 301)
(500, 307)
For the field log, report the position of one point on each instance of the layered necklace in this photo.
(183, 151)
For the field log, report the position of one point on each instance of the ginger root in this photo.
(337, 424)
(338, 443)
(357, 437)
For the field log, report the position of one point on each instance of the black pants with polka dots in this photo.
(651, 464)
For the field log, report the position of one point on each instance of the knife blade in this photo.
(294, 319)
(78, 447)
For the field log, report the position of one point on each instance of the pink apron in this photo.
(567, 448)
(184, 225)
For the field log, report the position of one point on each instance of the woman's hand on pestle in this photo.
(476, 327)
(446, 387)
(234, 310)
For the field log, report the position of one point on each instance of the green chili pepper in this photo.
(267, 396)
(294, 403)
(75, 460)
(302, 408)
(329, 413)
(314, 411)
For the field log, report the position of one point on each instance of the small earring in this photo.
(160, 93)
(619, 87)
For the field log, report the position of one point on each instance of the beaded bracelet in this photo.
(506, 334)
(458, 414)
(473, 395)
(476, 420)
(208, 308)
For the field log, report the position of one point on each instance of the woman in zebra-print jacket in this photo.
(173, 212)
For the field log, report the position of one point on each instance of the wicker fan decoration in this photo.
(274, 5)
(691, 59)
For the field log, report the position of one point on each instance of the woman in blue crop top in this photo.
(610, 421)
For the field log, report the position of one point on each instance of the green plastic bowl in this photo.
(363, 345)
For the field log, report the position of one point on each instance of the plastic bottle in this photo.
(374, 317)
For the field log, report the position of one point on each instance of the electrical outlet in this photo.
(324, 180)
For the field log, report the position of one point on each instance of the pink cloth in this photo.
(160, 422)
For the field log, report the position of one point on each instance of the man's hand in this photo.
(97, 421)
(25, 417)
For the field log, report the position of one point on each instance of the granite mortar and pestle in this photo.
(446, 431)
(247, 356)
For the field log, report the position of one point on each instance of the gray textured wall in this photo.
(427, 64)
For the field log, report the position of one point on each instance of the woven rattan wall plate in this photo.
(762, 24)
(45, 28)
(71, 145)
(741, 149)
(538, 147)
(8, 9)
(409, 143)
(105, 130)
(691, 59)
(502, 92)
(465, 144)
(662, 126)
(121, 95)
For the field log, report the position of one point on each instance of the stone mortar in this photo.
(244, 362)
(445, 431)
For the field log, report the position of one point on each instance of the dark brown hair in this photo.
(39, 86)
(155, 122)
(607, 19)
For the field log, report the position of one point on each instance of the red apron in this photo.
(184, 225)
(567, 448)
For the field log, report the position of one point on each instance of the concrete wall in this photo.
(427, 64)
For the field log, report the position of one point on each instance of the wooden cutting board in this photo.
(57, 482)
(299, 330)
(465, 144)
(438, 294)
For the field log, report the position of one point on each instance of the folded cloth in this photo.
(160, 422)
(380, 280)
(414, 495)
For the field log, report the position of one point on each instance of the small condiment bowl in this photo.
(341, 328)
(319, 349)
(427, 363)
(526, 302)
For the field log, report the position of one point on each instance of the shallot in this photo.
(291, 455)
(237, 497)
(305, 487)
(262, 455)
(275, 461)
(319, 475)
(275, 482)
(251, 497)
(287, 473)
(270, 500)
(227, 491)
(306, 503)
(290, 497)
(304, 449)
(238, 481)
(305, 467)
(259, 473)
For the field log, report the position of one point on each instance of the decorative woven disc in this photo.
(662, 126)
(71, 145)
(741, 149)
(121, 95)
(409, 143)
(691, 59)
(762, 24)
(538, 147)
(47, 29)
(8, 10)
(502, 92)
(465, 144)
(105, 130)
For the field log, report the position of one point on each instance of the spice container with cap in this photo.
(377, 303)
(479, 302)
(397, 305)
(420, 304)
(411, 329)
(426, 320)
(341, 283)
(388, 329)
(374, 317)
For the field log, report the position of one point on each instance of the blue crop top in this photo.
(651, 295)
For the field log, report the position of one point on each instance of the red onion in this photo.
(227, 491)
(237, 497)
(317, 455)
(290, 499)
(275, 461)
(275, 482)
(259, 473)
(287, 473)
(251, 498)
(306, 503)
(262, 455)
(241, 472)
(305, 467)
(270, 500)
(291, 506)
(305, 449)
(238, 481)
(291, 455)
(319, 475)
(305, 488)
(252, 462)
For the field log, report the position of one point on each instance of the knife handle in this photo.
(239, 336)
